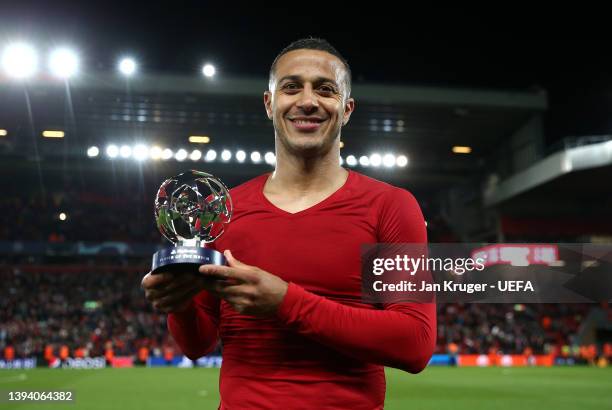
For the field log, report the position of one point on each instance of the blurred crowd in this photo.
(71, 314)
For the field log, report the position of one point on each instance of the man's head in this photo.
(309, 96)
(313, 44)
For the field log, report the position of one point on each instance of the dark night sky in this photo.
(565, 51)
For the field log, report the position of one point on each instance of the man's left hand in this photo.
(248, 289)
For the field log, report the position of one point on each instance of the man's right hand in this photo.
(172, 293)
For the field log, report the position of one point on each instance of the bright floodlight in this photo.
(140, 152)
(364, 161)
(181, 155)
(375, 160)
(92, 152)
(388, 160)
(112, 151)
(155, 152)
(256, 157)
(125, 151)
(167, 154)
(226, 155)
(19, 60)
(341, 161)
(208, 70)
(211, 155)
(63, 63)
(62, 216)
(351, 161)
(195, 155)
(127, 66)
(240, 156)
(401, 161)
(270, 158)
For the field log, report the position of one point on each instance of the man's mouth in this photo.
(306, 124)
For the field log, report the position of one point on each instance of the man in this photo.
(288, 308)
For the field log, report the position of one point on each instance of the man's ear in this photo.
(349, 107)
(268, 103)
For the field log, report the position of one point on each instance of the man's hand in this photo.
(248, 289)
(171, 293)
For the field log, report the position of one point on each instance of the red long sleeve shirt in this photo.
(325, 348)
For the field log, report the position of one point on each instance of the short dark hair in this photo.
(313, 43)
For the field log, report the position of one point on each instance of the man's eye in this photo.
(327, 89)
(290, 86)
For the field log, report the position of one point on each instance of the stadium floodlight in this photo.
(19, 60)
(92, 151)
(209, 70)
(341, 160)
(62, 216)
(461, 149)
(180, 155)
(167, 154)
(240, 156)
(375, 160)
(401, 161)
(270, 158)
(112, 151)
(127, 66)
(388, 160)
(125, 151)
(199, 139)
(341, 144)
(195, 155)
(226, 155)
(155, 152)
(351, 161)
(364, 161)
(3, 133)
(63, 63)
(53, 134)
(256, 157)
(211, 155)
(140, 152)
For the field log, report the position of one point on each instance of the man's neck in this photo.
(299, 176)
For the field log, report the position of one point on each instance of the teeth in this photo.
(306, 122)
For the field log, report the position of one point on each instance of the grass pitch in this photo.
(436, 388)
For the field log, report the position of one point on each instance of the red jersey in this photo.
(324, 348)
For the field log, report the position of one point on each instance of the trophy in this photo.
(191, 210)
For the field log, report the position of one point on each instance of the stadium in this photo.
(86, 141)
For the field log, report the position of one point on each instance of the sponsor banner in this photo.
(28, 363)
(122, 361)
(79, 363)
(158, 361)
(507, 360)
(185, 362)
(209, 361)
(442, 360)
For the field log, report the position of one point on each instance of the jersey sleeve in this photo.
(195, 329)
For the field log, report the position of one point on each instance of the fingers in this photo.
(169, 286)
(155, 281)
(242, 273)
(175, 300)
(233, 262)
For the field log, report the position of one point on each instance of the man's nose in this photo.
(308, 100)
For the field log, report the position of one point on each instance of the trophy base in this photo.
(185, 259)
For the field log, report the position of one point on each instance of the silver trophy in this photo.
(191, 210)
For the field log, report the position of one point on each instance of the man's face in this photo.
(308, 101)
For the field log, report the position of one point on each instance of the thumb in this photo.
(233, 262)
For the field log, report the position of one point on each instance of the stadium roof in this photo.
(421, 122)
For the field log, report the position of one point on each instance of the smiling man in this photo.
(288, 308)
